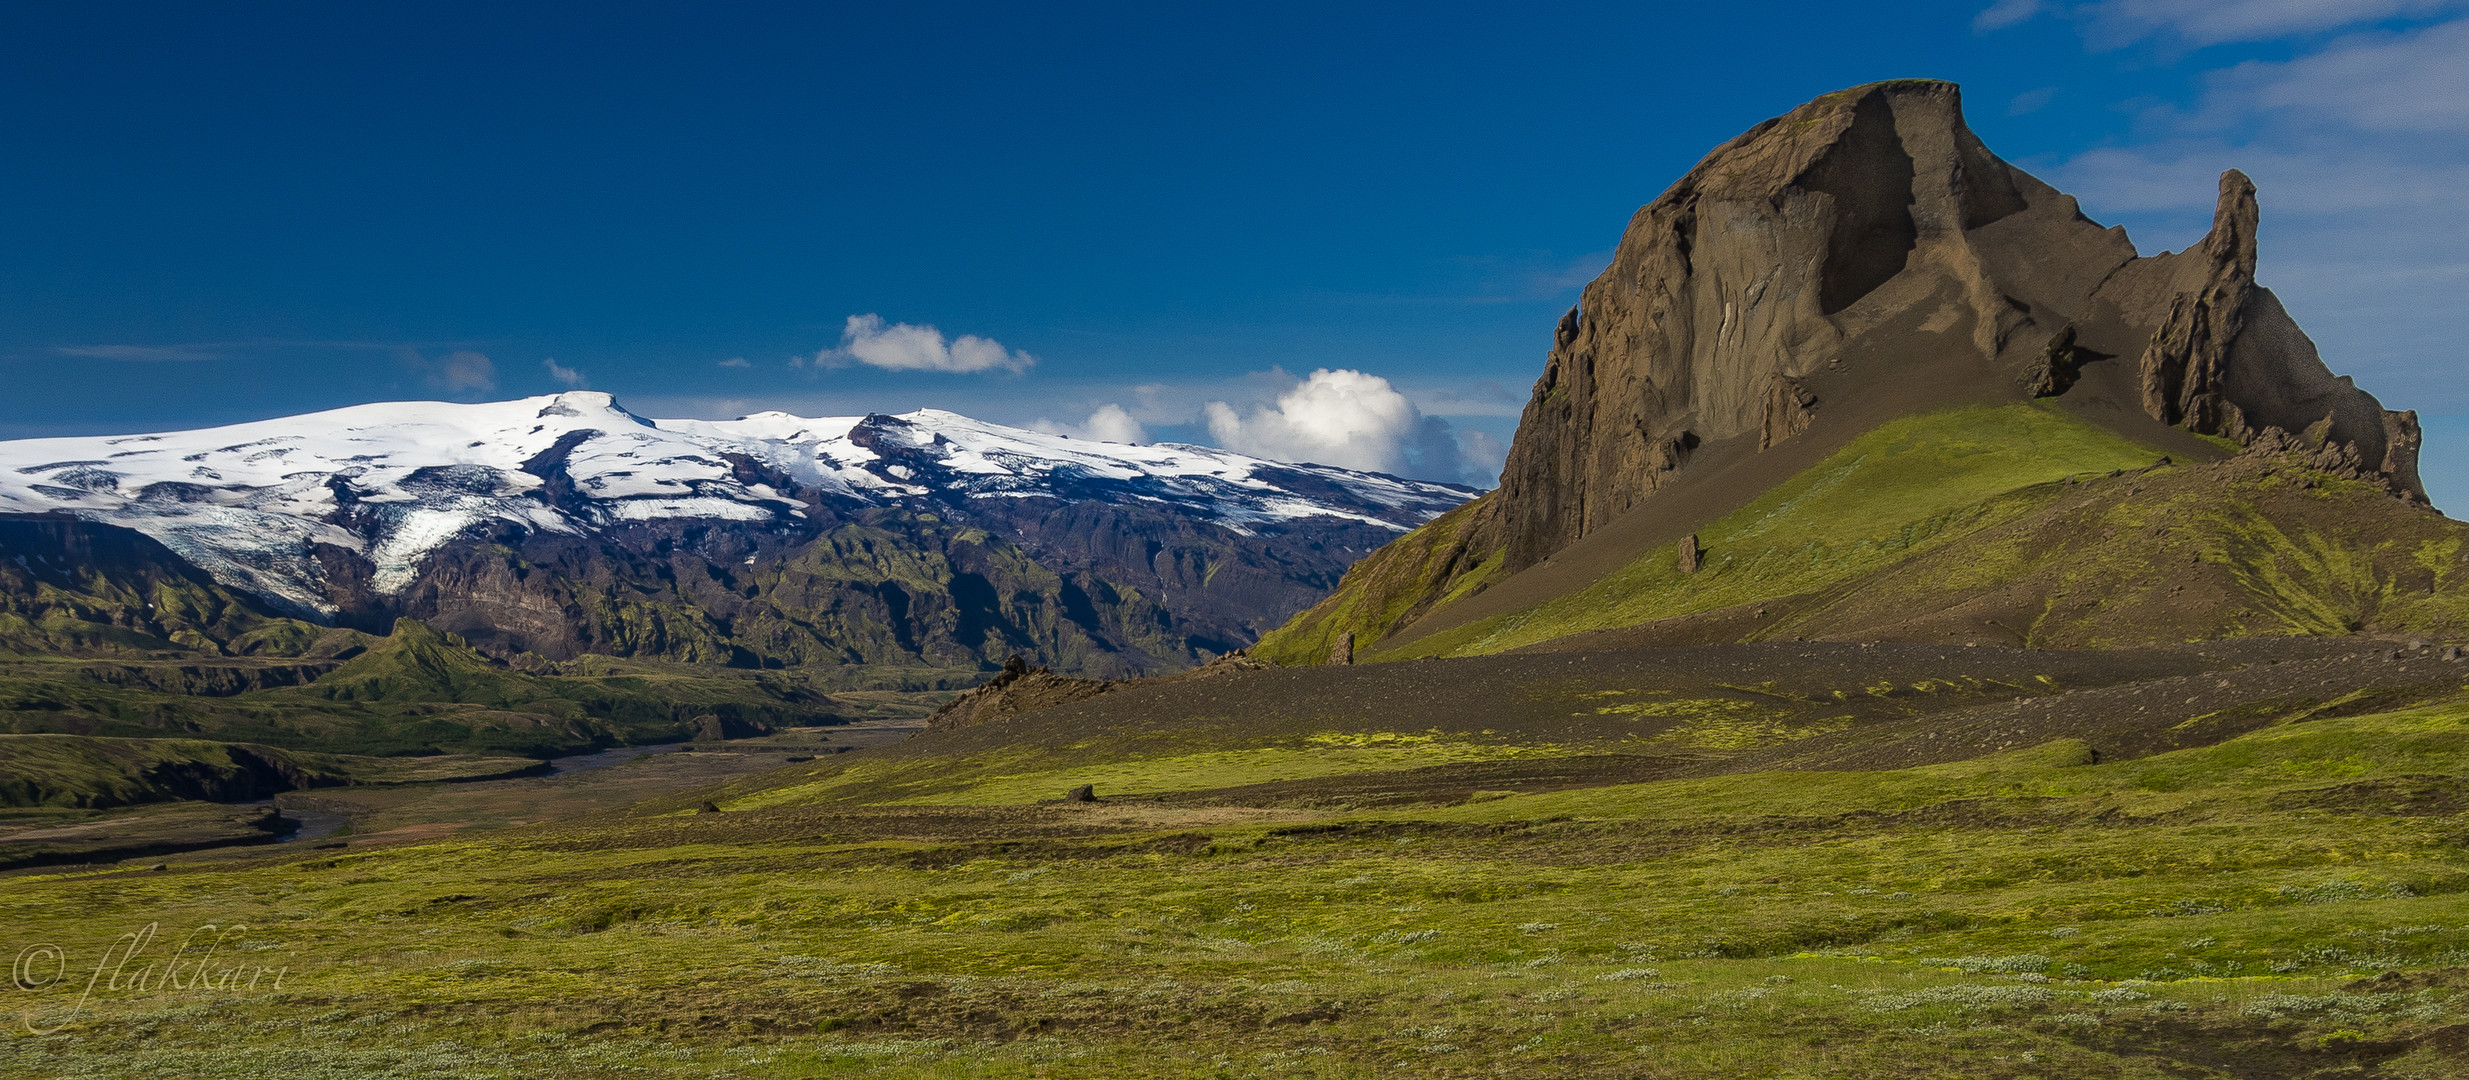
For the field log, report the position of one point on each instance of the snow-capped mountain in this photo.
(266, 506)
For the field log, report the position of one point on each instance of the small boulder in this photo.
(1344, 651)
(1083, 793)
(708, 807)
(1690, 556)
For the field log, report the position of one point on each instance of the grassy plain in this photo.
(2291, 902)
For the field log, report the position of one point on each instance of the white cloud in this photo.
(1110, 423)
(2415, 82)
(736, 361)
(1355, 420)
(2005, 13)
(1482, 454)
(903, 347)
(572, 379)
(1343, 418)
(2212, 22)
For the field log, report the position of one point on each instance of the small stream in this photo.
(313, 826)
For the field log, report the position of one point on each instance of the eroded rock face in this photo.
(1866, 226)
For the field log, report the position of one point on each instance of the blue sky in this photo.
(1112, 216)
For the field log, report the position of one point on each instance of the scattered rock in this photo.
(1083, 793)
(2061, 363)
(708, 807)
(1690, 557)
(1789, 409)
(1344, 651)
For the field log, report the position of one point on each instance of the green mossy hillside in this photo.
(1413, 574)
(2020, 525)
(94, 773)
(69, 587)
(416, 691)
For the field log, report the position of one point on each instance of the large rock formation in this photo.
(1871, 223)
(1860, 258)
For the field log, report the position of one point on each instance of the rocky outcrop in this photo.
(1344, 651)
(2223, 356)
(1018, 688)
(1867, 227)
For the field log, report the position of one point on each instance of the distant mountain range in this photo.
(564, 525)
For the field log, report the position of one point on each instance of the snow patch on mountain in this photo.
(392, 482)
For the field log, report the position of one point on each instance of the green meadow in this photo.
(2294, 902)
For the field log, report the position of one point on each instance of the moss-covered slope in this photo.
(417, 691)
(2018, 524)
(74, 587)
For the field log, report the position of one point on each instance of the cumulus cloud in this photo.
(1352, 420)
(1342, 418)
(1110, 423)
(455, 372)
(868, 340)
(572, 379)
(1482, 454)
